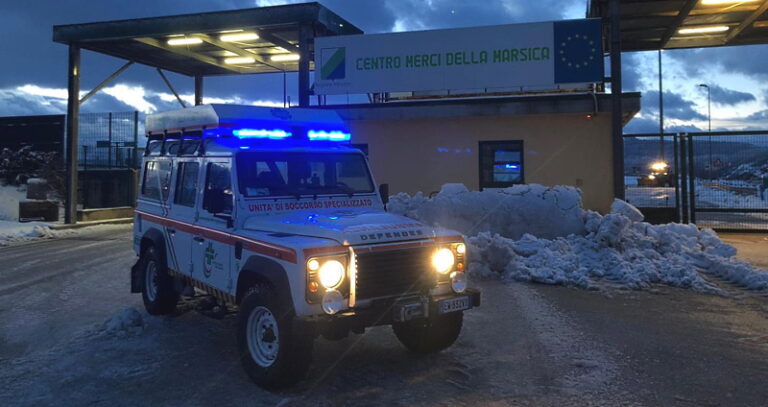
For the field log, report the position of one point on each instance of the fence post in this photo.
(676, 152)
(692, 179)
(134, 164)
(109, 138)
(684, 178)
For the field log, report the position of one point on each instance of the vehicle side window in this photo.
(186, 184)
(218, 189)
(157, 180)
(150, 188)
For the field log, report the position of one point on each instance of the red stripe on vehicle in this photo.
(258, 246)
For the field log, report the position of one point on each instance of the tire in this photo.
(157, 290)
(271, 353)
(429, 335)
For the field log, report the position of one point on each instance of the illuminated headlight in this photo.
(331, 274)
(461, 248)
(443, 260)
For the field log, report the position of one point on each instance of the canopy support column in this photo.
(73, 124)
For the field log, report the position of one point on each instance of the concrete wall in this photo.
(560, 149)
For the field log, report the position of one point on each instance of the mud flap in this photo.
(136, 277)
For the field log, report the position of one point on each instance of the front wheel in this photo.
(272, 354)
(431, 334)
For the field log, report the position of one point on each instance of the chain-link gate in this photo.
(717, 180)
(109, 140)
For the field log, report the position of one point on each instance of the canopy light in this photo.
(239, 60)
(700, 30)
(284, 57)
(711, 2)
(275, 134)
(184, 41)
(239, 37)
(328, 135)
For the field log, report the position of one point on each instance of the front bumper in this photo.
(380, 312)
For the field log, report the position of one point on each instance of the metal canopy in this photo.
(656, 24)
(145, 40)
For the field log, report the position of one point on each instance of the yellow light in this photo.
(239, 60)
(443, 260)
(331, 273)
(461, 248)
(711, 2)
(702, 30)
(284, 57)
(651, 176)
(313, 265)
(184, 41)
(659, 166)
(239, 37)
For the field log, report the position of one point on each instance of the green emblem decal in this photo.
(210, 255)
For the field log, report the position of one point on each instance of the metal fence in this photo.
(717, 180)
(109, 140)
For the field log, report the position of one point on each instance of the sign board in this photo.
(540, 55)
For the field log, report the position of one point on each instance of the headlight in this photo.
(443, 260)
(331, 273)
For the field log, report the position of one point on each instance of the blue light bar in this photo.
(335, 135)
(275, 134)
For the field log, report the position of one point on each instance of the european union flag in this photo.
(578, 51)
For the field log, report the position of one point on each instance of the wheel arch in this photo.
(259, 269)
(151, 238)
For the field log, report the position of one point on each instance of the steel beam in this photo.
(746, 22)
(617, 141)
(170, 87)
(105, 82)
(679, 19)
(73, 124)
(198, 90)
(305, 41)
(181, 51)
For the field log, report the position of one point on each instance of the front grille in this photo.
(394, 272)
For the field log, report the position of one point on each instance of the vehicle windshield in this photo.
(283, 174)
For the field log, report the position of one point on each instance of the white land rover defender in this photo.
(271, 211)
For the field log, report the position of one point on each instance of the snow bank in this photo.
(510, 212)
(127, 321)
(12, 231)
(534, 233)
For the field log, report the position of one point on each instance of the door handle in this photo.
(198, 239)
(172, 231)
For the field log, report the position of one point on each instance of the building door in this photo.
(501, 163)
(212, 249)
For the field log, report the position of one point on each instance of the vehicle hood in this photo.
(345, 227)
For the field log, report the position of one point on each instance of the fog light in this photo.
(458, 282)
(332, 302)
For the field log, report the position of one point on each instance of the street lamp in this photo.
(709, 118)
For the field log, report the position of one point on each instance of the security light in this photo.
(711, 2)
(239, 60)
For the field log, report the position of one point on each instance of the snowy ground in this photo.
(66, 339)
(10, 228)
(534, 233)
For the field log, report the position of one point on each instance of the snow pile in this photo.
(128, 321)
(510, 212)
(577, 247)
(10, 229)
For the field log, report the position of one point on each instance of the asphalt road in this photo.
(528, 345)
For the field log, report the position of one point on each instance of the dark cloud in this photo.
(729, 97)
(761, 115)
(675, 106)
(749, 60)
(631, 72)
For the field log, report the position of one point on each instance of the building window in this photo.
(186, 184)
(501, 163)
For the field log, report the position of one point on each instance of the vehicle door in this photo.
(184, 210)
(212, 243)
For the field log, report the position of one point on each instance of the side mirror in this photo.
(384, 193)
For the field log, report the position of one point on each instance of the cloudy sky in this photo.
(33, 75)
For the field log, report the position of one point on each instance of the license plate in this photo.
(454, 304)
